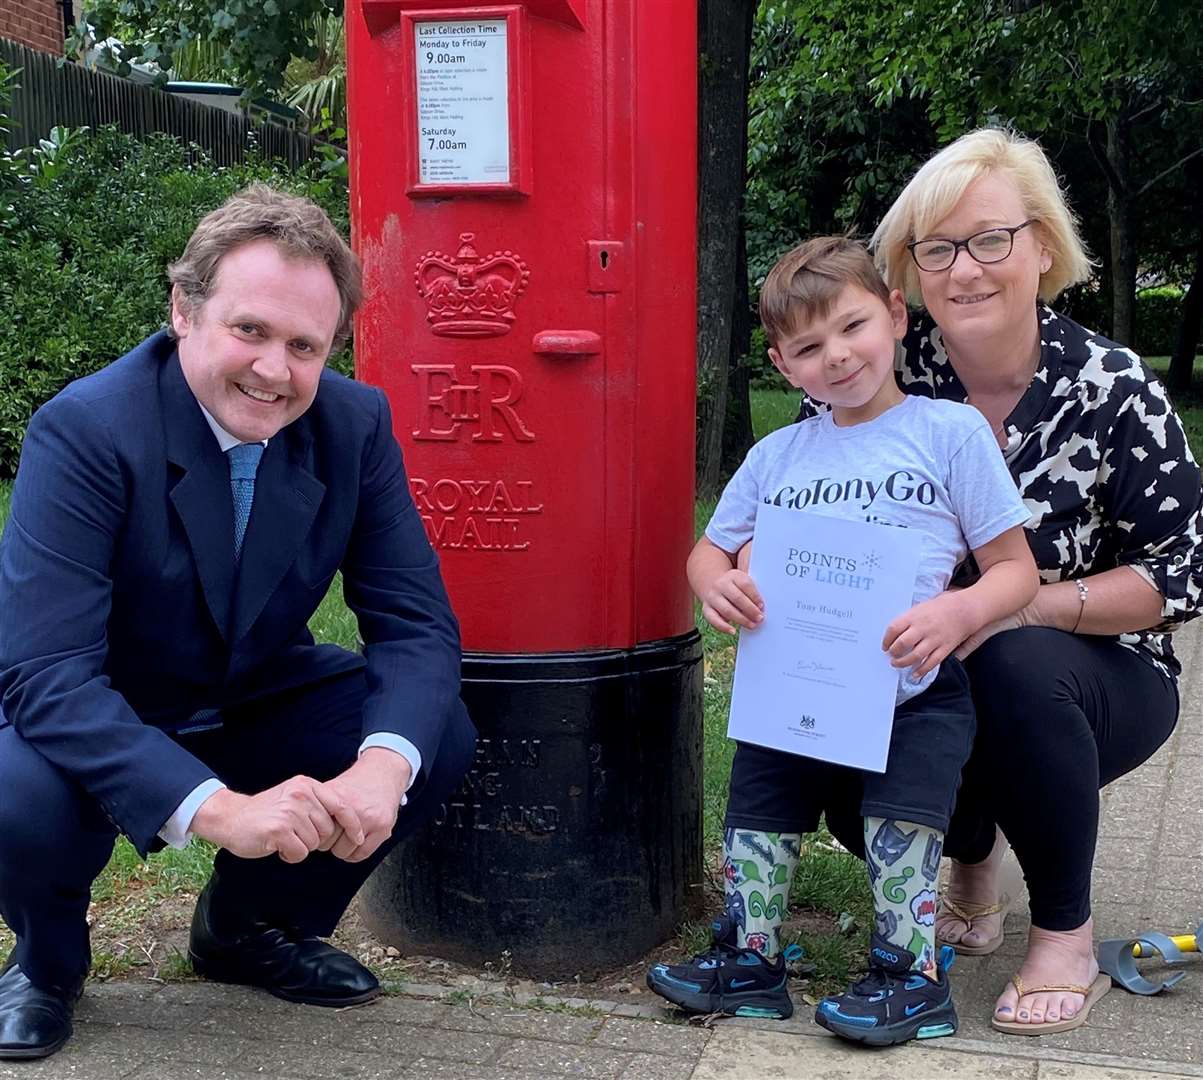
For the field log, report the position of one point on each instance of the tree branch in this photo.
(1137, 117)
(1166, 172)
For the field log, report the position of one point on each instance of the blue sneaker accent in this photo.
(830, 1008)
(725, 979)
(892, 1003)
(662, 973)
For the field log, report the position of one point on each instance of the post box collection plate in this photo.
(467, 115)
(463, 101)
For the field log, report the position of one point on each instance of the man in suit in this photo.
(176, 519)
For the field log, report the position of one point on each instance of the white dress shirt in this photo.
(176, 830)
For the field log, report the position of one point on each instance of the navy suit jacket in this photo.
(122, 612)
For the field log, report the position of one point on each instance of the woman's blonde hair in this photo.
(941, 181)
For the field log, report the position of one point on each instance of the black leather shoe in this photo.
(283, 962)
(34, 1023)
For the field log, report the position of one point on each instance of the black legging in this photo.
(1058, 716)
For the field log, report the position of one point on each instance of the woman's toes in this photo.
(1069, 1006)
(951, 930)
(974, 937)
(1004, 1008)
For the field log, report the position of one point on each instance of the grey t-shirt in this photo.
(922, 464)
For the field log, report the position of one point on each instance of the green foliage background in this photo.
(87, 231)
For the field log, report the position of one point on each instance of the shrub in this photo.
(84, 250)
(1158, 315)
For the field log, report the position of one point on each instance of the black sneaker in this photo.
(892, 1004)
(726, 979)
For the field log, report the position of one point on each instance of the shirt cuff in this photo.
(175, 831)
(398, 745)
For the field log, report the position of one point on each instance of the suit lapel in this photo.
(287, 499)
(201, 495)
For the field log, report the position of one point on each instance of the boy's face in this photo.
(846, 358)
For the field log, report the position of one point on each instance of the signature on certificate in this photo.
(813, 665)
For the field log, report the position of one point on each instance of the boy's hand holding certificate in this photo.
(813, 678)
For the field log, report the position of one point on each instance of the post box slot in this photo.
(567, 343)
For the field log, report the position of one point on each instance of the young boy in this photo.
(922, 464)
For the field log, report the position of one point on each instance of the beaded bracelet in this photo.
(1083, 590)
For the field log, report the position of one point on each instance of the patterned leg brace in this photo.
(903, 860)
(758, 868)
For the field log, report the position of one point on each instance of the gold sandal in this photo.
(967, 912)
(1091, 994)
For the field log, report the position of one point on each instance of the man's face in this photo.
(252, 354)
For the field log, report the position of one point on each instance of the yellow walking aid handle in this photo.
(1185, 943)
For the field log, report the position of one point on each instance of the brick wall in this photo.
(36, 23)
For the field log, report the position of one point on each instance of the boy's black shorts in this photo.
(773, 791)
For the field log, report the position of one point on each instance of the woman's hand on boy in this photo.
(732, 600)
(926, 634)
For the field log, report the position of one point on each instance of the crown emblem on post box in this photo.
(470, 295)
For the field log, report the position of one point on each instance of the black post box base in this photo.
(575, 842)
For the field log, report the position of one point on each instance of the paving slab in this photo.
(744, 1055)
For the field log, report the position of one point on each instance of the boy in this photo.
(833, 326)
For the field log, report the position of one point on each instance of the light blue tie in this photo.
(244, 461)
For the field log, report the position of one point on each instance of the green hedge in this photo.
(86, 233)
(1158, 315)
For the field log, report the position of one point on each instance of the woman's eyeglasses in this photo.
(987, 246)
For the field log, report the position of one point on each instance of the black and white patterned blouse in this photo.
(1100, 459)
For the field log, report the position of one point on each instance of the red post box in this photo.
(524, 201)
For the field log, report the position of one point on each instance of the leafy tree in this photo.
(255, 39)
(318, 86)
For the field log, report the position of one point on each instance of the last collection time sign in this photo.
(463, 101)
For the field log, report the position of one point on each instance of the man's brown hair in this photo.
(805, 282)
(297, 226)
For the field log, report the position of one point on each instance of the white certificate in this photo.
(813, 678)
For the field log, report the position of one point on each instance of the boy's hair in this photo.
(806, 281)
(297, 226)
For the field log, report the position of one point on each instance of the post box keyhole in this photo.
(605, 264)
